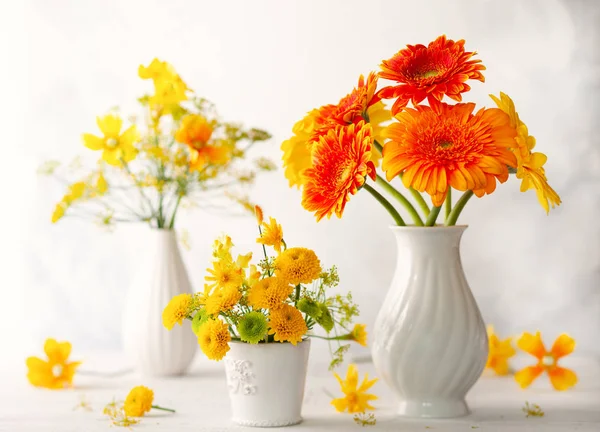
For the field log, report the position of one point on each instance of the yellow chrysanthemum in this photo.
(298, 265)
(530, 166)
(222, 300)
(269, 293)
(287, 324)
(115, 146)
(272, 235)
(55, 373)
(356, 398)
(225, 274)
(177, 310)
(499, 352)
(213, 338)
(138, 401)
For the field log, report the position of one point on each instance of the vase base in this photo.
(267, 423)
(433, 408)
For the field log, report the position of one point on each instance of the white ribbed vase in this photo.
(153, 349)
(430, 343)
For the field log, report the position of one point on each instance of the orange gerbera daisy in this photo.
(340, 164)
(561, 378)
(447, 145)
(432, 71)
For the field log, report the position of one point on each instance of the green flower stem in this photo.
(420, 200)
(458, 208)
(172, 223)
(448, 203)
(406, 203)
(435, 211)
(378, 147)
(385, 203)
(297, 295)
(164, 409)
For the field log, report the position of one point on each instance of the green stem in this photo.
(448, 203)
(297, 295)
(385, 203)
(401, 198)
(172, 223)
(378, 147)
(420, 200)
(458, 207)
(164, 409)
(435, 211)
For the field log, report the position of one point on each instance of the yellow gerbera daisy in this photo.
(138, 401)
(213, 338)
(356, 400)
(177, 310)
(269, 293)
(298, 265)
(287, 324)
(529, 165)
(116, 147)
(272, 235)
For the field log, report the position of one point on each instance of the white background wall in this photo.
(266, 63)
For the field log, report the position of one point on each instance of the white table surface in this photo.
(202, 404)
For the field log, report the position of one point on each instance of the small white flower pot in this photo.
(266, 382)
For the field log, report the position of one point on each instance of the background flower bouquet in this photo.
(259, 317)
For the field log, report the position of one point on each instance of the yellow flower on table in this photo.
(356, 399)
(138, 401)
(55, 373)
(561, 378)
(116, 147)
(298, 265)
(272, 235)
(499, 352)
(177, 310)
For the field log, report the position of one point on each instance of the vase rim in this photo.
(306, 340)
(424, 228)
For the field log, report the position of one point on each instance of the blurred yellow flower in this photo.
(138, 401)
(499, 352)
(55, 373)
(561, 378)
(529, 165)
(177, 310)
(76, 191)
(59, 211)
(195, 131)
(359, 334)
(115, 147)
(356, 399)
(298, 265)
(169, 88)
(296, 150)
(287, 324)
(213, 338)
(271, 235)
(101, 184)
(222, 248)
(258, 212)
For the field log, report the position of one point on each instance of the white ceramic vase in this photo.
(154, 350)
(430, 343)
(266, 382)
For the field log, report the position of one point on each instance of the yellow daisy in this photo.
(356, 399)
(225, 274)
(116, 147)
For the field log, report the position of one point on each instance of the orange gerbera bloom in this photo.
(561, 378)
(340, 164)
(447, 145)
(195, 131)
(432, 71)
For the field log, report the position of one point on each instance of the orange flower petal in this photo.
(562, 378)
(532, 344)
(526, 376)
(563, 345)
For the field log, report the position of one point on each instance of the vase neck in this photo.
(429, 240)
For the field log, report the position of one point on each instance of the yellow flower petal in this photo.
(532, 344)
(57, 352)
(92, 141)
(562, 378)
(526, 376)
(110, 125)
(563, 345)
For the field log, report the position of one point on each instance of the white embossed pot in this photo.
(430, 343)
(154, 350)
(266, 382)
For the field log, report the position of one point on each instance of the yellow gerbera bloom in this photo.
(213, 338)
(177, 310)
(272, 235)
(138, 401)
(298, 265)
(529, 165)
(55, 373)
(499, 352)
(287, 324)
(222, 300)
(356, 399)
(269, 293)
(224, 275)
(116, 147)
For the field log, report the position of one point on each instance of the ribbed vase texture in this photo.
(430, 343)
(153, 349)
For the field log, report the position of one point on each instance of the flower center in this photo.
(57, 370)
(427, 74)
(111, 143)
(445, 143)
(352, 398)
(547, 360)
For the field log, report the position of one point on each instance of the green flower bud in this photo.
(309, 307)
(252, 327)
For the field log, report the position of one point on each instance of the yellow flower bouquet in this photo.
(258, 318)
(181, 151)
